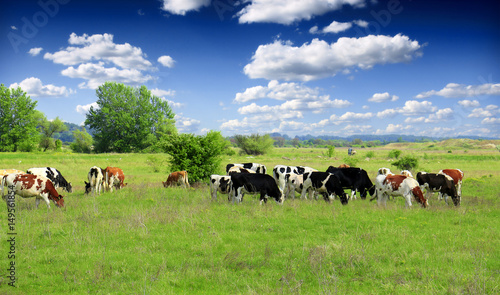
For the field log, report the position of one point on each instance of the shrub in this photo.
(330, 152)
(351, 161)
(370, 154)
(394, 154)
(254, 144)
(406, 163)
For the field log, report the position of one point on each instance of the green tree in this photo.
(200, 156)
(17, 121)
(394, 154)
(48, 129)
(128, 119)
(254, 144)
(406, 163)
(82, 141)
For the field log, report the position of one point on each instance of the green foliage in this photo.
(370, 154)
(351, 161)
(254, 144)
(17, 121)
(200, 156)
(406, 163)
(394, 154)
(48, 129)
(331, 151)
(128, 119)
(82, 141)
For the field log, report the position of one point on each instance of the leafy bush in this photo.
(254, 144)
(351, 161)
(394, 154)
(406, 163)
(331, 151)
(370, 154)
(200, 156)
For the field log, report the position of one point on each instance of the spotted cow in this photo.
(441, 183)
(54, 175)
(398, 185)
(355, 179)
(96, 178)
(219, 183)
(255, 183)
(256, 167)
(324, 183)
(113, 177)
(457, 175)
(29, 186)
(280, 171)
(177, 178)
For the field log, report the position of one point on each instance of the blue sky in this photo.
(320, 67)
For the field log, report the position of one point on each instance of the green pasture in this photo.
(145, 239)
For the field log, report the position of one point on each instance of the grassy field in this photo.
(145, 239)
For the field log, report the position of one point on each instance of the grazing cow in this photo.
(279, 172)
(30, 185)
(384, 171)
(177, 178)
(238, 169)
(324, 183)
(95, 177)
(344, 166)
(254, 184)
(4, 172)
(355, 179)
(256, 167)
(457, 175)
(113, 177)
(54, 175)
(435, 182)
(398, 185)
(219, 183)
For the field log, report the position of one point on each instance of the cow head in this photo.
(59, 201)
(69, 188)
(344, 199)
(165, 184)
(88, 189)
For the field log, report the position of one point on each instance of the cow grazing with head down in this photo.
(355, 179)
(54, 175)
(255, 183)
(280, 171)
(256, 167)
(96, 178)
(29, 186)
(177, 178)
(219, 183)
(435, 182)
(457, 175)
(406, 173)
(398, 185)
(324, 183)
(113, 177)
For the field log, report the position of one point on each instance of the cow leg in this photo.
(407, 198)
(353, 194)
(381, 198)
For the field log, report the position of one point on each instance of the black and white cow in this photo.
(280, 171)
(294, 183)
(238, 169)
(324, 183)
(436, 182)
(219, 183)
(262, 184)
(54, 175)
(256, 167)
(96, 178)
(355, 179)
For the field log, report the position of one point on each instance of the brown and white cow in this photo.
(457, 175)
(177, 178)
(4, 172)
(437, 182)
(28, 186)
(113, 177)
(398, 185)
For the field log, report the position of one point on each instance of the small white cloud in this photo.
(469, 103)
(13, 28)
(337, 27)
(34, 87)
(35, 51)
(84, 109)
(361, 23)
(181, 7)
(166, 61)
(383, 97)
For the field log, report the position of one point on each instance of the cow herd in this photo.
(252, 178)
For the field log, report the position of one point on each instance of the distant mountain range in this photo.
(382, 138)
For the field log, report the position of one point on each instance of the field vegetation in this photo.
(145, 239)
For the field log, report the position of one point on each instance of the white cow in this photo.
(219, 183)
(96, 178)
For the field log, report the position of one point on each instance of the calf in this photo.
(177, 178)
(28, 186)
(256, 167)
(219, 183)
(113, 177)
(262, 184)
(95, 177)
(324, 183)
(54, 175)
(355, 179)
(398, 185)
(435, 182)
(279, 172)
(457, 175)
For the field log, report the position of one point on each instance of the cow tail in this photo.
(419, 196)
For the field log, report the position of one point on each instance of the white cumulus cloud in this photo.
(181, 7)
(166, 61)
(84, 109)
(383, 97)
(34, 87)
(35, 51)
(454, 90)
(319, 59)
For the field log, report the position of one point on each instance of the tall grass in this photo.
(145, 239)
